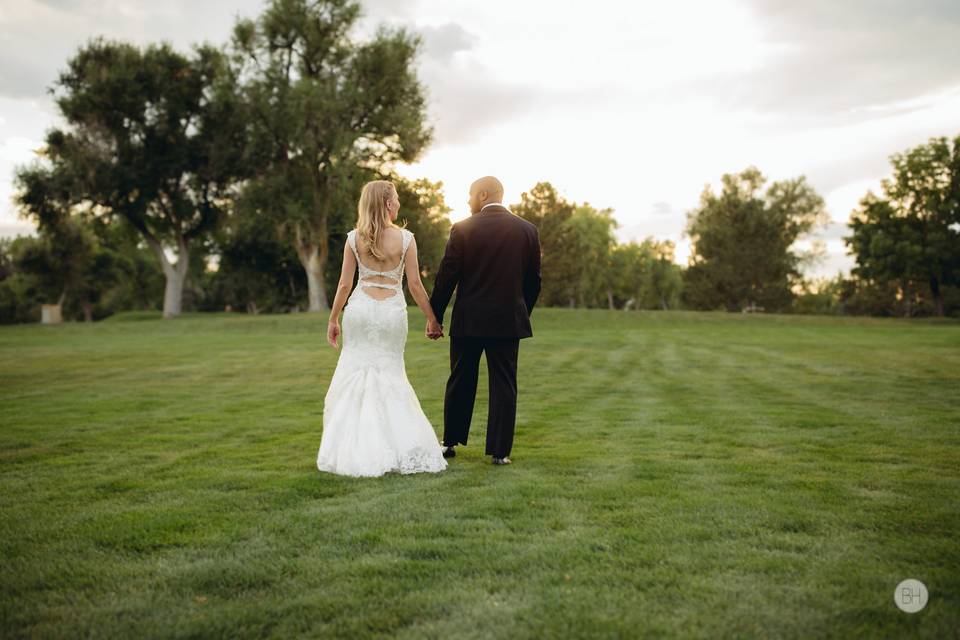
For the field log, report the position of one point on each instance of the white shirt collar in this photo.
(491, 204)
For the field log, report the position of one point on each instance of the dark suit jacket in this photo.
(493, 260)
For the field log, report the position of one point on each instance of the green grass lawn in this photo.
(675, 474)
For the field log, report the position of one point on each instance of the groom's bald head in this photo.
(484, 191)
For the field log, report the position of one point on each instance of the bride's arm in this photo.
(347, 270)
(415, 284)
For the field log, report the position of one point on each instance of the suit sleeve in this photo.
(448, 275)
(531, 279)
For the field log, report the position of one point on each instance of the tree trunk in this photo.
(175, 275)
(172, 294)
(313, 260)
(610, 299)
(314, 249)
(87, 310)
(318, 293)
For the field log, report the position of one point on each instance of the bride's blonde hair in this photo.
(372, 214)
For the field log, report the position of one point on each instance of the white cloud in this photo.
(835, 57)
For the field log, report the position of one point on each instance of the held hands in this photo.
(434, 330)
(333, 332)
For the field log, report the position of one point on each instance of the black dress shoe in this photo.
(448, 452)
(503, 460)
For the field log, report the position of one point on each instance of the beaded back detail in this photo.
(395, 274)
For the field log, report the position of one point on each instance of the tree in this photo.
(324, 110)
(88, 268)
(862, 297)
(256, 271)
(591, 240)
(19, 298)
(56, 261)
(151, 139)
(136, 280)
(66, 256)
(666, 276)
(742, 242)
(58, 257)
(549, 212)
(645, 275)
(583, 265)
(911, 235)
(887, 249)
(627, 262)
(822, 296)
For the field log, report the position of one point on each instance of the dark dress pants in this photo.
(462, 390)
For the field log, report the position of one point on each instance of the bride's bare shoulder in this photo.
(397, 234)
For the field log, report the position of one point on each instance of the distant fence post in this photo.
(50, 314)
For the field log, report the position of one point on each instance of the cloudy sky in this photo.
(634, 106)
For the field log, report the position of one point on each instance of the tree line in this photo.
(226, 179)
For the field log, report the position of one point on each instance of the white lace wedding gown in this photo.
(372, 420)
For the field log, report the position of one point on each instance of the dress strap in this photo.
(352, 241)
(407, 237)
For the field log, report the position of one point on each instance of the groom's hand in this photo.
(434, 330)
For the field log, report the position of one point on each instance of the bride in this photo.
(372, 420)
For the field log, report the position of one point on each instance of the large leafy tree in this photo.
(325, 110)
(911, 235)
(887, 249)
(544, 207)
(151, 140)
(742, 242)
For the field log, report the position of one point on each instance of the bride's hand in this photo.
(333, 332)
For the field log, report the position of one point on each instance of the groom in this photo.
(493, 260)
